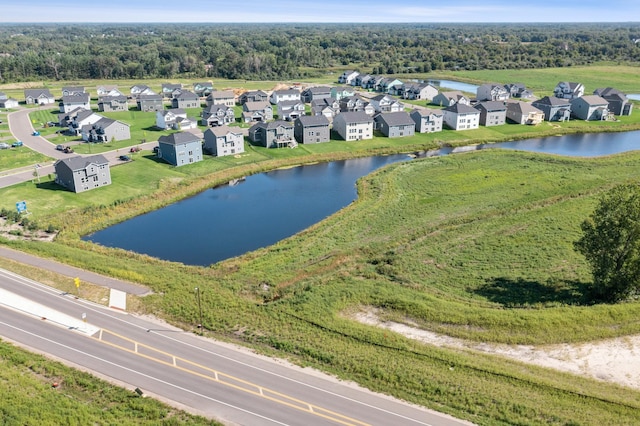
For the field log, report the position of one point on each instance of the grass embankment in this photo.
(475, 246)
(29, 398)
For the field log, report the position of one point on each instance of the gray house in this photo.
(315, 93)
(492, 92)
(618, 102)
(555, 109)
(113, 103)
(38, 96)
(568, 90)
(445, 99)
(72, 90)
(518, 90)
(185, 99)
(274, 134)
(312, 129)
(222, 140)
(150, 103)
(217, 115)
(180, 148)
(353, 126)
(395, 124)
(79, 174)
(327, 107)
(257, 111)
(169, 90)
(590, 108)
(290, 110)
(419, 91)
(492, 113)
(105, 130)
(221, 97)
(427, 120)
(253, 96)
(203, 88)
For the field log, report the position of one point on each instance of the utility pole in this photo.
(197, 289)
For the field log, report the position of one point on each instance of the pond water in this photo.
(263, 209)
(454, 85)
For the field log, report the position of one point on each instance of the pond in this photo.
(263, 209)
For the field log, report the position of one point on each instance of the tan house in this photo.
(524, 113)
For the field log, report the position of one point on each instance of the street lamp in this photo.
(197, 289)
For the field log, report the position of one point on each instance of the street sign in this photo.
(21, 206)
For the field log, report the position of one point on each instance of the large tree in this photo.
(611, 244)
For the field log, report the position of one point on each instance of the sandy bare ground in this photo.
(614, 360)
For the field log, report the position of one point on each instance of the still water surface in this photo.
(228, 221)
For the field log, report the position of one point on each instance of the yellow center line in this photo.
(226, 379)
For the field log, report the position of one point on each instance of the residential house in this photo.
(38, 96)
(257, 111)
(590, 108)
(373, 82)
(105, 130)
(356, 103)
(78, 118)
(418, 91)
(72, 90)
(3, 96)
(278, 96)
(427, 120)
(311, 129)
(108, 91)
(568, 90)
(618, 102)
(492, 92)
(524, 113)
(166, 119)
(492, 113)
(290, 110)
(170, 90)
(9, 103)
(461, 117)
(217, 115)
(360, 80)
(347, 77)
(223, 140)
(352, 126)
(338, 93)
(274, 134)
(391, 86)
(180, 148)
(71, 102)
(203, 88)
(395, 124)
(386, 103)
(327, 107)
(555, 109)
(253, 96)
(141, 89)
(518, 90)
(150, 103)
(79, 174)
(315, 93)
(445, 99)
(113, 103)
(185, 99)
(222, 97)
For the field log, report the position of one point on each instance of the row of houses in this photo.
(93, 127)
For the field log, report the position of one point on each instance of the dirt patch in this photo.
(612, 360)
(15, 231)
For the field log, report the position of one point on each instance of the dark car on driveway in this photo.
(125, 158)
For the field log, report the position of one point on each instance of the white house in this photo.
(461, 117)
(353, 126)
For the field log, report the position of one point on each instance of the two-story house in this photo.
(180, 148)
(222, 140)
(568, 90)
(222, 97)
(217, 115)
(203, 88)
(418, 91)
(427, 120)
(113, 103)
(353, 126)
(312, 129)
(449, 98)
(149, 103)
(590, 108)
(492, 92)
(618, 102)
(524, 113)
(555, 109)
(386, 103)
(290, 110)
(79, 174)
(315, 93)
(492, 113)
(395, 124)
(170, 90)
(287, 95)
(273, 134)
(105, 130)
(185, 99)
(253, 96)
(71, 102)
(347, 77)
(461, 117)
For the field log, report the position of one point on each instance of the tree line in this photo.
(290, 51)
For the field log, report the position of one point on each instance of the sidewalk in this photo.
(73, 272)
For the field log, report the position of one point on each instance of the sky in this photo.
(359, 11)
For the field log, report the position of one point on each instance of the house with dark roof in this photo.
(524, 113)
(150, 103)
(427, 120)
(568, 90)
(445, 99)
(315, 93)
(170, 90)
(180, 148)
(77, 119)
(9, 103)
(386, 103)
(290, 110)
(492, 92)
(518, 90)
(253, 96)
(418, 91)
(347, 77)
(461, 117)
(71, 102)
(618, 102)
(492, 113)
(353, 126)
(217, 115)
(113, 103)
(141, 89)
(221, 97)
(312, 129)
(72, 90)
(257, 111)
(108, 90)
(223, 140)
(203, 88)
(185, 99)
(395, 124)
(79, 174)
(338, 93)
(555, 109)
(356, 103)
(327, 107)
(287, 95)
(273, 134)
(38, 96)
(590, 108)
(105, 130)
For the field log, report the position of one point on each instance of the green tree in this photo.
(611, 244)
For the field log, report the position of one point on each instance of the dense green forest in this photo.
(287, 51)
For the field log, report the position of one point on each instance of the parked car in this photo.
(16, 144)
(135, 149)
(68, 149)
(60, 148)
(125, 158)
(35, 133)
(4, 145)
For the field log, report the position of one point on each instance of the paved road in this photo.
(210, 378)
